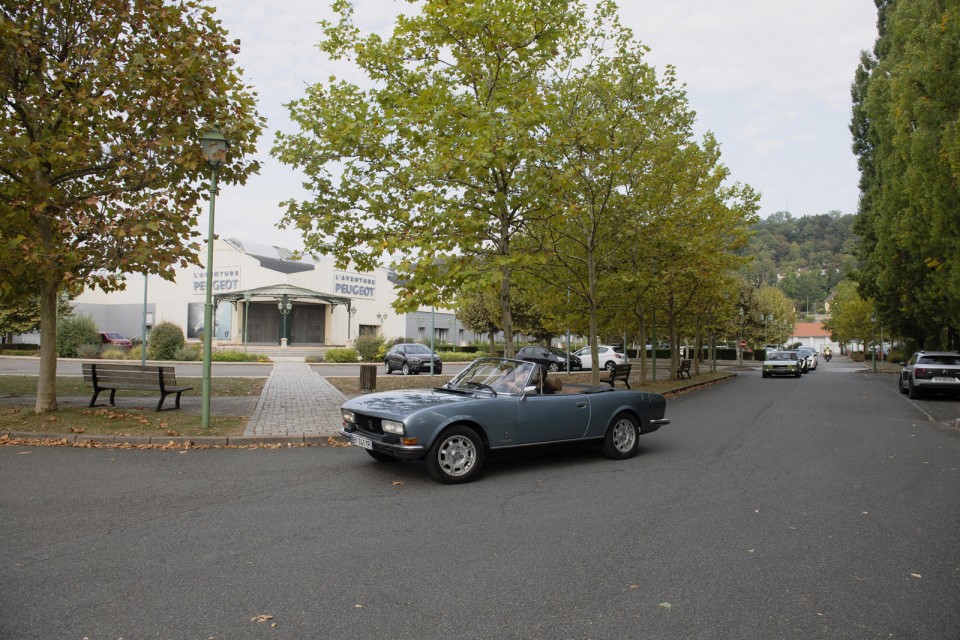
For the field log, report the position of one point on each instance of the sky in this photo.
(769, 78)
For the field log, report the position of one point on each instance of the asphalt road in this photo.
(824, 507)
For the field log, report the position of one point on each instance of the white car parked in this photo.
(608, 357)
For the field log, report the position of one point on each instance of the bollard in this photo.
(368, 378)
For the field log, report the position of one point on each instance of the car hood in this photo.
(400, 404)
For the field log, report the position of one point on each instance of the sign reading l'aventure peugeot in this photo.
(354, 285)
(225, 279)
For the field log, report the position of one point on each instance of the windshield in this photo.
(782, 356)
(494, 374)
(418, 348)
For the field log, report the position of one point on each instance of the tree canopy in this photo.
(101, 169)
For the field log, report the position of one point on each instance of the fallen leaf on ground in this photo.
(261, 617)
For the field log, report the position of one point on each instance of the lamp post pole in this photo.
(873, 322)
(246, 317)
(215, 147)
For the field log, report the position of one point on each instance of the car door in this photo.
(552, 418)
(395, 356)
(586, 358)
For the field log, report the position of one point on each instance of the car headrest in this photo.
(554, 383)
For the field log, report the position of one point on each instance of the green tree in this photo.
(100, 161)
(906, 128)
(437, 163)
(850, 315)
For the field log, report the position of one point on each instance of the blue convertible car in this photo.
(496, 404)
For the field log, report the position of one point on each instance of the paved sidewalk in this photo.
(296, 401)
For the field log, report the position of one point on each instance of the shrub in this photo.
(135, 352)
(88, 351)
(235, 356)
(112, 353)
(341, 355)
(368, 346)
(75, 331)
(189, 353)
(165, 339)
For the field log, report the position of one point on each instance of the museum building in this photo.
(263, 296)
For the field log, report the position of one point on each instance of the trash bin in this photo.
(368, 377)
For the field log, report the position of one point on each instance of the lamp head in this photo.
(214, 145)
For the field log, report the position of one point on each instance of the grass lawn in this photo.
(113, 421)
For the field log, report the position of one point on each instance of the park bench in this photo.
(111, 376)
(619, 372)
(684, 368)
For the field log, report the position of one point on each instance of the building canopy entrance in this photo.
(283, 313)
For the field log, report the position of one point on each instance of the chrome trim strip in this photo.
(661, 421)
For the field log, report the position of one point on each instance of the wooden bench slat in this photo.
(113, 376)
(619, 372)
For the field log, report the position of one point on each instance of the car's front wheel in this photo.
(622, 438)
(900, 386)
(405, 369)
(553, 366)
(456, 456)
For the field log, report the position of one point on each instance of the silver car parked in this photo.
(930, 371)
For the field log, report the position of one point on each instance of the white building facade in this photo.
(264, 297)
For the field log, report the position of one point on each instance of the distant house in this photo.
(812, 334)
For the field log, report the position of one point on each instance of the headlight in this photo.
(392, 426)
(348, 416)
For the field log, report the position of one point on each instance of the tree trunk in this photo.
(46, 381)
(506, 316)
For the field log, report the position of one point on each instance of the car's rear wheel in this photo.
(456, 456)
(610, 365)
(914, 391)
(379, 456)
(386, 368)
(622, 438)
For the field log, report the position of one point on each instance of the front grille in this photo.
(369, 424)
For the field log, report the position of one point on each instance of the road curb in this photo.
(31, 437)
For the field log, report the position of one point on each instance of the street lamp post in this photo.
(284, 306)
(351, 313)
(214, 146)
(740, 348)
(873, 322)
(247, 296)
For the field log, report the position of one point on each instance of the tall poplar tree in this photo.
(906, 128)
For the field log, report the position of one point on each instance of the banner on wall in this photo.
(354, 285)
(225, 279)
(221, 321)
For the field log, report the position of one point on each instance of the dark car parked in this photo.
(552, 358)
(411, 358)
(113, 339)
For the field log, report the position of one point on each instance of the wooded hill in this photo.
(804, 256)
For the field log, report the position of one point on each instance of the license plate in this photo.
(360, 441)
(944, 379)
